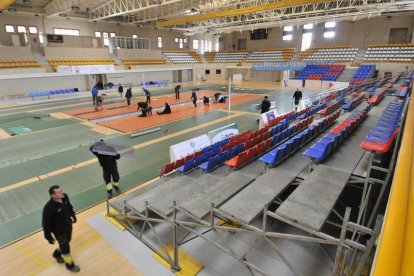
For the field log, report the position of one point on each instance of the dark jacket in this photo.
(167, 109)
(194, 96)
(297, 95)
(106, 161)
(177, 88)
(57, 217)
(265, 106)
(128, 93)
(120, 89)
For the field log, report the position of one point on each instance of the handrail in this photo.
(395, 254)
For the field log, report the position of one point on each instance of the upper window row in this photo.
(20, 29)
(329, 31)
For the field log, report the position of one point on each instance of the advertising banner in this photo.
(266, 117)
(185, 148)
(223, 133)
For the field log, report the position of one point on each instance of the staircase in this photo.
(359, 58)
(296, 56)
(118, 61)
(42, 60)
(347, 74)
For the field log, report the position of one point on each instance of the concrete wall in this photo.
(133, 53)
(53, 52)
(358, 34)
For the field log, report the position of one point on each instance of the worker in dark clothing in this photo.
(206, 101)
(121, 91)
(95, 93)
(194, 97)
(297, 96)
(128, 96)
(142, 105)
(147, 94)
(177, 92)
(265, 106)
(58, 217)
(167, 110)
(99, 101)
(108, 162)
(146, 111)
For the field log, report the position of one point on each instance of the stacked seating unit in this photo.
(392, 81)
(143, 61)
(271, 55)
(335, 53)
(287, 148)
(312, 111)
(378, 96)
(382, 135)
(402, 91)
(353, 103)
(364, 72)
(325, 146)
(34, 95)
(257, 149)
(329, 72)
(226, 56)
(390, 53)
(328, 110)
(55, 62)
(18, 63)
(182, 56)
(188, 161)
(286, 117)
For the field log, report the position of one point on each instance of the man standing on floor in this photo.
(107, 157)
(95, 93)
(58, 216)
(177, 92)
(297, 96)
(121, 91)
(128, 96)
(265, 106)
(194, 97)
(147, 94)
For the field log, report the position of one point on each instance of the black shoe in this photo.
(117, 189)
(109, 194)
(73, 268)
(58, 257)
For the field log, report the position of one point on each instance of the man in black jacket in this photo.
(128, 96)
(58, 216)
(121, 91)
(265, 106)
(297, 96)
(110, 169)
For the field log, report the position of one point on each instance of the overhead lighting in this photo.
(192, 11)
(12, 9)
(75, 8)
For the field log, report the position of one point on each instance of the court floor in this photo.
(50, 147)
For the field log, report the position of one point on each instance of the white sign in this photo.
(222, 133)
(267, 116)
(185, 148)
(305, 103)
(93, 69)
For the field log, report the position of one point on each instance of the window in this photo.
(176, 40)
(106, 39)
(41, 40)
(21, 29)
(306, 41)
(195, 44)
(113, 34)
(329, 31)
(9, 28)
(33, 30)
(185, 40)
(218, 71)
(98, 34)
(287, 33)
(181, 43)
(159, 39)
(217, 46)
(66, 31)
(207, 72)
(134, 36)
(308, 26)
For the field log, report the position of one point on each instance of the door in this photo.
(180, 76)
(190, 74)
(241, 44)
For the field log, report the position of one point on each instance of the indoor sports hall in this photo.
(211, 138)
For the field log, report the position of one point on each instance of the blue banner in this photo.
(285, 66)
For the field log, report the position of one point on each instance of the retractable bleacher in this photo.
(230, 56)
(271, 55)
(176, 56)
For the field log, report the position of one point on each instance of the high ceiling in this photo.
(216, 16)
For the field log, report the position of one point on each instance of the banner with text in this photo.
(223, 133)
(285, 66)
(267, 116)
(185, 148)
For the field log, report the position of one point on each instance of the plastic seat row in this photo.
(381, 136)
(326, 145)
(328, 110)
(312, 111)
(159, 83)
(353, 103)
(289, 116)
(52, 92)
(378, 96)
(290, 146)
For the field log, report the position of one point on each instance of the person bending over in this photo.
(146, 111)
(206, 101)
(167, 110)
(142, 105)
(99, 101)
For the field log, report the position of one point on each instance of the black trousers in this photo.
(94, 99)
(128, 101)
(148, 100)
(195, 103)
(110, 174)
(63, 240)
(177, 95)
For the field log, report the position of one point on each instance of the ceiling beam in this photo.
(56, 7)
(234, 12)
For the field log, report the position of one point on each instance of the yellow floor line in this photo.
(92, 161)
(29, 254)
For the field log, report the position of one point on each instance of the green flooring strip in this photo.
(84, 185)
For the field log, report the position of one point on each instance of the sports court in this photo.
(288, 149)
